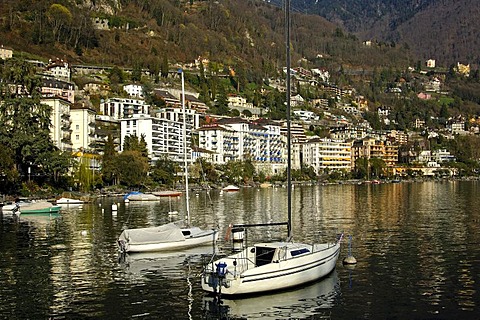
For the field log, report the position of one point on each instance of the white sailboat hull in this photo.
(246, 278)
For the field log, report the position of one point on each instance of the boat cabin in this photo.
(266, 253)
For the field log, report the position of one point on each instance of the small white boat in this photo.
(164, 238)
(13, 206)
(39, 207)
(69, 201)
(231, 188)
(139, 196)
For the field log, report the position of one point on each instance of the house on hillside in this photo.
(5, 53)
(430, 63)
(134, 90)
(59, 69)
(169, 99)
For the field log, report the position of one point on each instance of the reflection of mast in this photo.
(190, 294)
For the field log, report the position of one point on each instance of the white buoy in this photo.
(114, 207)
(127, 200)
(84, 233)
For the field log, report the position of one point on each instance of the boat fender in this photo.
(221, 269)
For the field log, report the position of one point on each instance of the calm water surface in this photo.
(417, 246)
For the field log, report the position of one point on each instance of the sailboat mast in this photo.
(289, 151)
(184, 134)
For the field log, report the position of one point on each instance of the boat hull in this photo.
(52, 209)
(203, 238)
(274, 276)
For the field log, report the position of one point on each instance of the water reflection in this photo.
(301, 303)
(416, 246)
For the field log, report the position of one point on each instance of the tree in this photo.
(133, 168)
(109, 170)
(165, 171)
(25, 129)
(361, 168)
(377, 165)
(8, 171)
(58, 16)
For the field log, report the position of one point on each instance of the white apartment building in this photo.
(442, 155)
(134, 90)
(238, 139)
(163, 133)
(60, 130)
(83, 128)
(327, 155)
(119, 108)
(305, 116)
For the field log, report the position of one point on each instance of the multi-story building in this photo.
(327, 155)
(59, 69)
(163, 133)
(60, 128)
(83, 128)
(58, 88)
(134, 90)
(106, 126)
(371, 148)
(238, 139)
(119, 108)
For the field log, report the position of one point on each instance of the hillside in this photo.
(246, 35)
(444, 30)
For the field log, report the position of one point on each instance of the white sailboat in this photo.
(266, 267)
(169, 236)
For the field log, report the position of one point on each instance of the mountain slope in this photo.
(244, 34)
(445, 30)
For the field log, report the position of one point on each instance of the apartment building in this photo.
(327, 155)
(119, 108)
(239, 139)
(83, 128)
(163, 133)
(372, 148)
(52, 87)
(60, 128)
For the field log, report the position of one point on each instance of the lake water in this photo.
(417, 247)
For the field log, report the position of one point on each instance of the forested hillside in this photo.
(444, 30)
(246, 35)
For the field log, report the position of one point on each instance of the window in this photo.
(77, 137)
(77, 127)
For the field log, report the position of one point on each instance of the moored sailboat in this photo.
(170, 236)
(266, 267)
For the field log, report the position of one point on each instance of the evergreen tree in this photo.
(109, 169)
